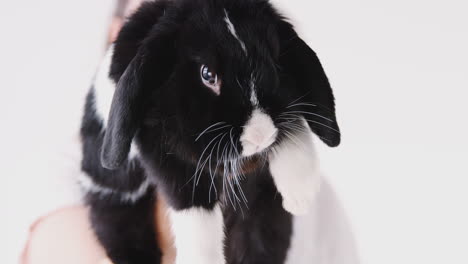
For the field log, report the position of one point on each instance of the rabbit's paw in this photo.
(299, 193)
(296, 174)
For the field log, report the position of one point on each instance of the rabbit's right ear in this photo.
(298, 60)
(149, 69)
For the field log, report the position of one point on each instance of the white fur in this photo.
(198, 235)
(89, 186)
(134, 152)
(258, 134)
(324, 235)
(295, 170)
(233, 31)
(253, 94)
(104, 88)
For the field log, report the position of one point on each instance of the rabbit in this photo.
(211, 104)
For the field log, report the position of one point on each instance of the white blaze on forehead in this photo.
(259, 133)
(233, 31)
(253, 93)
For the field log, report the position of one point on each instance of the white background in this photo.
(400, 75)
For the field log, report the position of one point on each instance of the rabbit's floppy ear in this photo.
(301, 65)
(149, 69)
(123, 117)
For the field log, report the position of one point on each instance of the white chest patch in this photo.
(259, 133)
(198, 235)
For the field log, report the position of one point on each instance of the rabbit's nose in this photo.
(259, 133)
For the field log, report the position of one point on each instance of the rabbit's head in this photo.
(225, 79)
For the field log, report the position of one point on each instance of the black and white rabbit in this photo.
(210, 104)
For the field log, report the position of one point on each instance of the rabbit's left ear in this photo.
(300, 65)
(149, 69)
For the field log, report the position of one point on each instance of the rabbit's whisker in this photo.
(207, 130)
(199, 169)
(321, 124)
(212, 175)
(226, 175)
(293, 138)
(237, 171)
(301, 104)
(297, 117)
(298, 99)
(308, 113)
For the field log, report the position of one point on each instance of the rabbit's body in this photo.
(122, 204)
(230, 150)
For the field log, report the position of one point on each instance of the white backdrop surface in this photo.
(400, 75)
(48, 54)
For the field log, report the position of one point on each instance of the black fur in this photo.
(260, 233)
(161, 104)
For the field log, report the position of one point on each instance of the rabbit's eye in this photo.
(210, 79)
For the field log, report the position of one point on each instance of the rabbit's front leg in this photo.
(295, 170)
(196, 218)
(199, 235)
